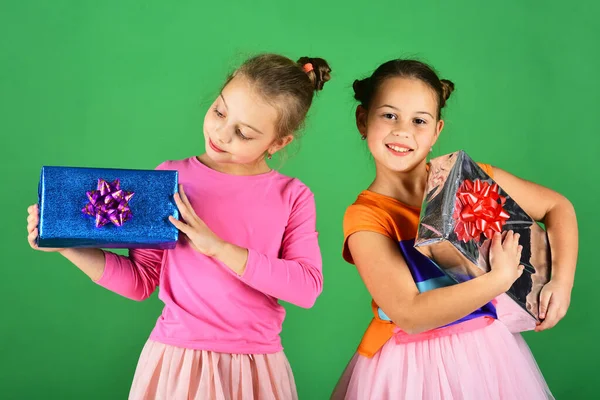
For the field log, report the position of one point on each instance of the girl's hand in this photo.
(197, 232)
(505, 258)
(33, 219)
(554, 303)
(558, 215)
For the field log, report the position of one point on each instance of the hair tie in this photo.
(308, 67)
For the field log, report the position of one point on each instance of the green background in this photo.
(126, 84)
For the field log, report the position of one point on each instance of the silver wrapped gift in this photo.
(462, 209)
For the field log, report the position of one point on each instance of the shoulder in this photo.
(293, 190)
(362, 210)
(376, 206)
(367, 212)
(366, 215)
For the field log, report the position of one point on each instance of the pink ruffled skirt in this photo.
(167, 372)
(490, 363)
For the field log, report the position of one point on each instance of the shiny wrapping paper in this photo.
(107, 208)
(462, 208)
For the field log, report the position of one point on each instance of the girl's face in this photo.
(240, 127)
(401, 124)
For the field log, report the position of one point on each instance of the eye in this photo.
(390, 116)
(218, 113)
(420, 121)
(241, 135)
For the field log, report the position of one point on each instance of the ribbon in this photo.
(479, 210)
(108, 203)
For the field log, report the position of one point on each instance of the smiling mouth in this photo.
(398, 149)
(215, 147)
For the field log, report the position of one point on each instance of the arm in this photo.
(558, 215)
(388, 279)
(134, 277)
(295, 277)
(89, 261)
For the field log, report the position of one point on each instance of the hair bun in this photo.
(447, 88)
(317, 69)
(362, 88)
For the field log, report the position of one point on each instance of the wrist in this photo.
(233, 256)
(218, 249)
(498, 281)
(562, 280)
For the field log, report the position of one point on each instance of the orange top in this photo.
(385, 215)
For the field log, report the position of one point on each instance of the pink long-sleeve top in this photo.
(208, 306)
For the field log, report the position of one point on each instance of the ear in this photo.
(361, 120)
(280, 144)
(438, 130)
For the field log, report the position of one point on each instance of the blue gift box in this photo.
(107, 208)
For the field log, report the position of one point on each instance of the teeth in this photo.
(398, 149)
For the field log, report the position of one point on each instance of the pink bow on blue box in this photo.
(107, 208)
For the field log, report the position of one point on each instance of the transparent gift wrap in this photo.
(107, 208)
(462, 208)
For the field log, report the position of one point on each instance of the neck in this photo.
(407, 187)
(256, 168)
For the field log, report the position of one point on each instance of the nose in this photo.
(402, 129)
(222, 134)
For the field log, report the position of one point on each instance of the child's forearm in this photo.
(298, 281)
(233, 256)
(90, 261)
(439, 307)
(561, 225)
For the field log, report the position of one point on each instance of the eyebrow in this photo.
(249, 126)
(397, 109)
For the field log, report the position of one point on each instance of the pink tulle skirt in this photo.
(167, 372)
(490, 363)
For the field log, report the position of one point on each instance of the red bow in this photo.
(479, 210)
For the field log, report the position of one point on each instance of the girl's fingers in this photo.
(31, 227)
(32, 219)
(32, 237)
(183, 208)
(185, 198)
(516, 238)
(183, 227)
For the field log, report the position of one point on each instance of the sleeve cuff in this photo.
(251, 264)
